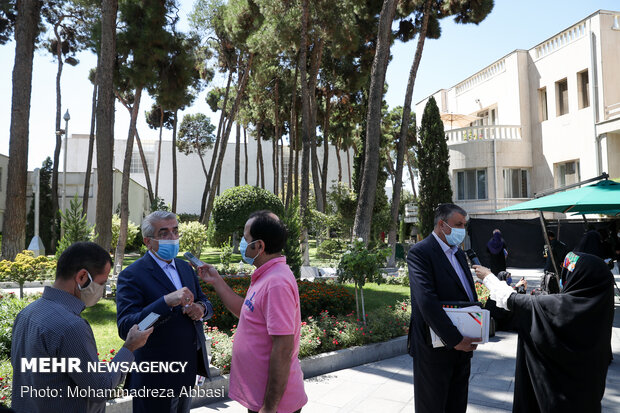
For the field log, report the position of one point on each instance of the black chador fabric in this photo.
(564, 340)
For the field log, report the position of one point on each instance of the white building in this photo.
(539, 118)
(190, 176)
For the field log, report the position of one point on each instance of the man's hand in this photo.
(194, 311)
(182, 296)
(265, 410)
(137, 338)
(522, 282)
(481, 272)
(467, 343)
(208, 274)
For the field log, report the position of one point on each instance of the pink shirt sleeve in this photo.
(279, 310)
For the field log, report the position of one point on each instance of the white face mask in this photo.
(92, 293)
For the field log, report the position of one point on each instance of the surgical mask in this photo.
(455, 237)
(91, 294)
(243, 246)
(168, 249)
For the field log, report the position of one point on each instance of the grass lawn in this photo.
(379, 296)
(102, 319)
(209, 255)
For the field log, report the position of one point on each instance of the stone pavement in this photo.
(387, 385)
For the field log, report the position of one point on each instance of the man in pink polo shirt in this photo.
(265, 374)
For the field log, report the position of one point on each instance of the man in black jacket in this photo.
(438, 271)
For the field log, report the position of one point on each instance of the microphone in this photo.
(471, 254)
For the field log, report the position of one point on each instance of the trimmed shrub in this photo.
(232, 209)
(194, 236)
(132, 232)
(10, 306)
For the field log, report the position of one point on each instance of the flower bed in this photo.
(314, 299)
(325, 333)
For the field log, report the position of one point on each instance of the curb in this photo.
(216, 389)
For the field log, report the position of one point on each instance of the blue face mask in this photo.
(168, 249)
(243, 246)
(455, 237)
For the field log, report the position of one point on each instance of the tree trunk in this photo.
(237, 152)
(122, 234)
(326, 146)
(305, 133)
(58, 146)
(91, 148)
(282, 193)
(339, 163)
(145, 168)
(105, 124)
(161, 130)
(349, 167)
(404, 131)
(311, 96)
(245, 152)
(292, 142)
(363, 214)
(174, 161)
(260, 164)
(14, 224)
(274, 153)
(218, 170)
(218, 137)
(411, 176)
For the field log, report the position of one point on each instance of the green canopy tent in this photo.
(600, 198)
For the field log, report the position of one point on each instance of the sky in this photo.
(461, 51)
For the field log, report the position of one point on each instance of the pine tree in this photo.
(75, 226)
(433, 164)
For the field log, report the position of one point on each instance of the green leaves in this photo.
(195, 134)
(359, 264)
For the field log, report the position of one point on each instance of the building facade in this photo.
(536, 119)
(191, 170)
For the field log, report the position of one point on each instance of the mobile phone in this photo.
(148, 321)
(193, 260)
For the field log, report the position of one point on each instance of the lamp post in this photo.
(66, 117)
(36, 245)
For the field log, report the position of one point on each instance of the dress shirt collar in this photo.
(445, 247)
(73, 304)
(163, 264)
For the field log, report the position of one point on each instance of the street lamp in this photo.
(66, 117)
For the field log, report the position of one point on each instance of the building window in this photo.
(542, 104)
(516, 183)
(471, 184)
(149, 155)
(566, 173)
(561, 93)
(583, 89)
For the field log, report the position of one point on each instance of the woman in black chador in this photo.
(564, 339)
(497, 251)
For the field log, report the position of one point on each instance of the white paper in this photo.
(471, 321)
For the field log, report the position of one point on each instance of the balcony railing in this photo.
(612, 111)
(483, 133)
(488, 206)
(567, 36)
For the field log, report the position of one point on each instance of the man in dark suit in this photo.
(438, 272)
(160, 283)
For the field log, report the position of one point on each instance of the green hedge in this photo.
(314, 299)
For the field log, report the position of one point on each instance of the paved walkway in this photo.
(387, 385)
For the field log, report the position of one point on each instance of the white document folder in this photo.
(470, 321)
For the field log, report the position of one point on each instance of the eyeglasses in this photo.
(174, 234)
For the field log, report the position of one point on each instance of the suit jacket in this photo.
(432, 279)
(176, 337)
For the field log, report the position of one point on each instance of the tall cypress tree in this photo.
(433, 163)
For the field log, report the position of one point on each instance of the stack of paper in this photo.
(470, 321)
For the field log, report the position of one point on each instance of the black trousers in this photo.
(440, 387)
(252, 411)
